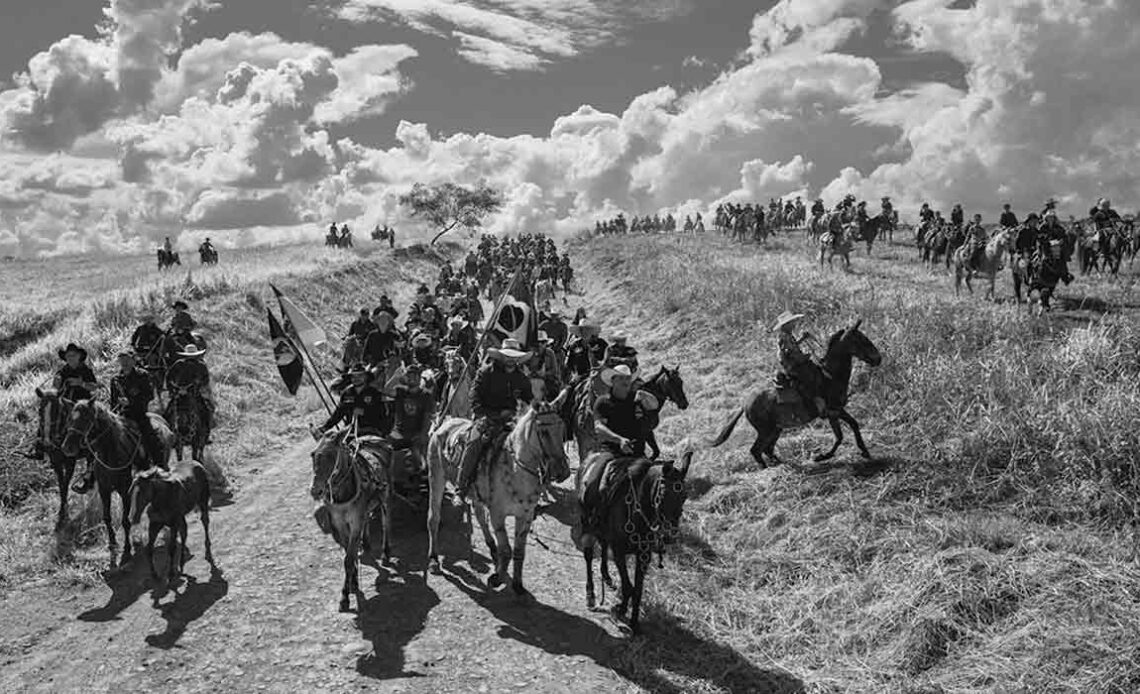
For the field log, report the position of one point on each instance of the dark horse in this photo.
(53, 412)
(117, 451)
(168, 259)
(186, 415)
(170, 496)
(770, 417)
(1041, 273)
(642, 516)
(666, 385)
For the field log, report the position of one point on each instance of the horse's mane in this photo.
(834, 339)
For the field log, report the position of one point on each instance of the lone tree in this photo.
(447, 206)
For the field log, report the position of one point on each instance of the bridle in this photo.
(547, 454)
(89, 443)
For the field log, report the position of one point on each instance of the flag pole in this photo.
(492, 319)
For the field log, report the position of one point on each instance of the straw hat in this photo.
(510, 350)
(622, 370)
(192, 350)
(787, 318)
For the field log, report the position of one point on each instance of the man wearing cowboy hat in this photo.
(131, 393)
(73, 381)
(1052, 230)
(147, 336)
(619, 352)
(190, 370)
(496, 391)
(620, 427)
(586, 350)
(383, 342)
(461, 336)
(361, 326)
(798, 372)
(412, 409)
(1008, 219)
(544, 371)
(1103, 216)
(424, 352)
(361, 404)
(182, 322)
(551, 322)
(387, 307)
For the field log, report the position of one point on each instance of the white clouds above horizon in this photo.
(235, 135)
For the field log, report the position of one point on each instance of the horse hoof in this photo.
(433, 567)
(591, 602)
(494, 581)
(618, 612)
(345, 606)
(819, 458)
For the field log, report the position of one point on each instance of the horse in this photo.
(643, 516)
(166, 259)
(770, 417)
(456, 400)
(993, 258)
(1041, 273)
(185, 413)
(116, 450)
(168, 497)
(53, 411)
(208, 256)
(353, 350)
(833, 243)
(578, 410)
(350, 487)
(509, 483)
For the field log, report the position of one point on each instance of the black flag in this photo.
(285, 354)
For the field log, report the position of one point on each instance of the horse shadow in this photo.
(398, 611)
(127, 584)
(190, 604)
(667, 651)
(855, 467)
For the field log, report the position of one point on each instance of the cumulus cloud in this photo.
(507, 35)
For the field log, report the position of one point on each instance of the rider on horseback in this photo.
(182, 322)
(1049, 232)
(1008, 218)
(543, 367)
(461, 336)
(585, 351)
(619, 352)
(619, 426)
(131, 393)
(361, 326)
(190, 371)
(147, 336)
(74, 381)
(1104, 217)
(976, 239)
(817, 208)
(412, 410)
(798, 373)
(926, 215)
(497, 389)
(360, 404)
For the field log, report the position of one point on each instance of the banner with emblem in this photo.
(517, 319)
(297, 324)
(286, 355)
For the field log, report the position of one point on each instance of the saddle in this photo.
(603, 474)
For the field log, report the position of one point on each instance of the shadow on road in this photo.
(190, 604)
(399, 610)
(665, 659)
(127, 584)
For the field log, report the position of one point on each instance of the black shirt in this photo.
(84, 373)
(379, 346)
(365, 404)
(136, 387)
(624, 418)
(412, 409)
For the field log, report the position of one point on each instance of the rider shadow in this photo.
(190, 604)
(399, 610)
(127, 585)
(667, 646)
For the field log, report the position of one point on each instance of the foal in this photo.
(169, 496)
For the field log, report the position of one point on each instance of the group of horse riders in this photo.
(338, 239)
(133, 387)
(206, 252)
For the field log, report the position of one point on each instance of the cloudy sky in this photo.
(262, 120)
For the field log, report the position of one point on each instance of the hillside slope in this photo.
(988, 547)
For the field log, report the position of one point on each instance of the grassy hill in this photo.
(990, 544)
(97, 303)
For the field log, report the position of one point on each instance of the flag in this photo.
(297, 324)
(286, 355)
(517, 319)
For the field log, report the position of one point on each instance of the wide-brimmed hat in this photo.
(620, 336)
(457, 322)
(543, 337)
(421, 340)
(787, 318)
(191, 350)
(72, 347)
(608, 375)
(180, 305)
(510, 350)
(382, 317)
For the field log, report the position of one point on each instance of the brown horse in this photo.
(186, 415)
(350, 486)
(642, 517)
(836, 243)
(168, 496)
(509, 483)
(117, 450)
(770, 417)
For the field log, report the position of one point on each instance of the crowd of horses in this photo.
(207, 255)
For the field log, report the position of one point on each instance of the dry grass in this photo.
(990, 548)
(229, 304)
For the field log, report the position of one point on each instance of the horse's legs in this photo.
(757, 451)
(174, 551)
(640, 566)
(834, 422)
(112, 540)
(503, 543)
(205, 515)
(152, 534)
(488, 538)
(588, 555)
(604, 549)
(64, 468)
(349, 570)
(125, 497)
(651, 441)
(846, 417)
(436, 483)
(518, 554)
(626, 585)
(386, 519)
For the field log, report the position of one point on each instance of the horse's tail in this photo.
(726, 430)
